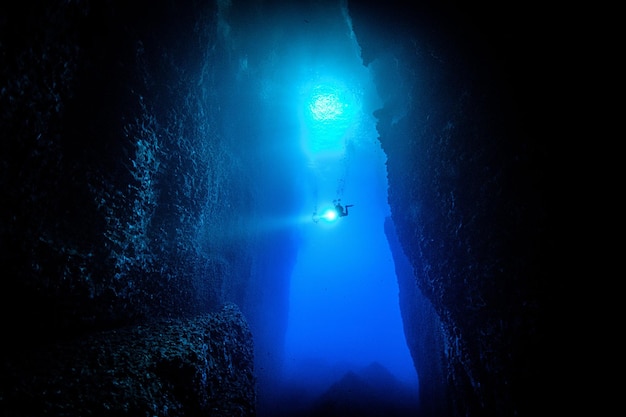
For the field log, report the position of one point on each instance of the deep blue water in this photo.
(317, 99)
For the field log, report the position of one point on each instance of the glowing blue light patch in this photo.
(330, 215)
(326, 106)
(331, 111)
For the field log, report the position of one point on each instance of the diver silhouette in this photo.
(341, 210)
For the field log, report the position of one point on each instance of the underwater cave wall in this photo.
(422, 329)
(465, 195)
(116, 175)
(172, 367)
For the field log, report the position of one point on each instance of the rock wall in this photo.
(423, 332)
(466, 190)
(191, 367)
(119, 179)
(118, 174)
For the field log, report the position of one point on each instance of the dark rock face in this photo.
(118, 181)
(116, 174)
(466, 178)
(422, 329)
(193, 367)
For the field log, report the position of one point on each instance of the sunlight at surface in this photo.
(326, 107)
(330, 110)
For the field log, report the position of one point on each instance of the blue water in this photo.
(317, 100)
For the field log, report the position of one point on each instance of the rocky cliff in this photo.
(119, 178)
(423, 332)
(191, 367)
(466, 170)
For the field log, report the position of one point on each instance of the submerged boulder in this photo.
(372, 391)
(198, 366)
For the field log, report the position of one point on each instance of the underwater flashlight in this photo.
(330, 215)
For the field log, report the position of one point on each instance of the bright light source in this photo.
(331, 111)
(330, 215)
(326, 106)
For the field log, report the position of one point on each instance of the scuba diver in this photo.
(334, 213)
(340, 209)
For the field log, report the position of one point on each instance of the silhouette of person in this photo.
(341, 210)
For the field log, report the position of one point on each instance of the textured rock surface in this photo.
(200, 366)
(422, 329)
(118, 177)
(466, 174)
